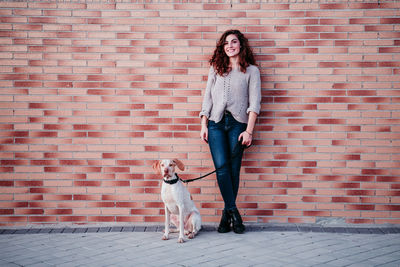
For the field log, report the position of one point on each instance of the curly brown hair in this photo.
(220, 61)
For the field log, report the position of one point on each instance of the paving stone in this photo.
(104, 229)
(92, 230)
(116, 229)
(21, 231)
(39, 264)
(390, 230)
(56, 231)
(8, 231)
(139, 228)
(80, 230)
(335, 230)
(127, 229)
(391, 264)
(375, 231)
(151, 228)
(363, 230)
(45, 231)
(68, 230)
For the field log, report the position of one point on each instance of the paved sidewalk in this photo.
(287, 245)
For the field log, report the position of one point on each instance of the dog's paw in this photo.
(191, 235)
(165, 237)
(181, 240)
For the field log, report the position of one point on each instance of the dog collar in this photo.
(173, 181)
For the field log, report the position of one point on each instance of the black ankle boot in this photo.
(237, 222)
(225, 223)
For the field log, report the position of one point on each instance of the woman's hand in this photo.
(204, 129)
(204, 133)
(246, 138)
(247, 135)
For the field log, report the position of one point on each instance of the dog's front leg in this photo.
(166, 231)
(181, 226)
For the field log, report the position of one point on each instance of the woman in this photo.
(229, 111)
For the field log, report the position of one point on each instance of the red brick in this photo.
(333, 21)
(333, 35)
(87, 183)
(316, 213)
(86, 197)
(333, 6)
(359, 221)
(360, 207)
(360, 192)
(304, 36)
(43, 219)
(390, 20)
(389, 49)
(364, 21)
(388, 207)
(346, 199)
(333, 64)
(58, 211)
(6, 211)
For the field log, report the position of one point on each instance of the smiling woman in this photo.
(231, 104)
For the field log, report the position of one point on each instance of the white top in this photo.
(237, 92)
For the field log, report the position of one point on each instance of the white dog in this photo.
(179, 207)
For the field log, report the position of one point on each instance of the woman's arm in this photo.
(207, 98)
(254, 106)
(247, 135)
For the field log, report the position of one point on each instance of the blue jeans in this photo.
(222, 139)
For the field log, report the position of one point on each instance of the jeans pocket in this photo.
(212, 125)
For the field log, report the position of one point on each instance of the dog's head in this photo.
(166, 167)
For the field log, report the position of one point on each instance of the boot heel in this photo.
(225, 223)
(237, 222)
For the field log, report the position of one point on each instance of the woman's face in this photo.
(232, 45)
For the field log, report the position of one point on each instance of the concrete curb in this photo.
(346, 229)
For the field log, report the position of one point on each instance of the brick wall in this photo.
(92, 93)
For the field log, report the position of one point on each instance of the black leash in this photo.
(235, 154)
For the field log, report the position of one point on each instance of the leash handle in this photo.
(239, 143)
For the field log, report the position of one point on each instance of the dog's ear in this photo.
(156, 166)
(180, 164)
